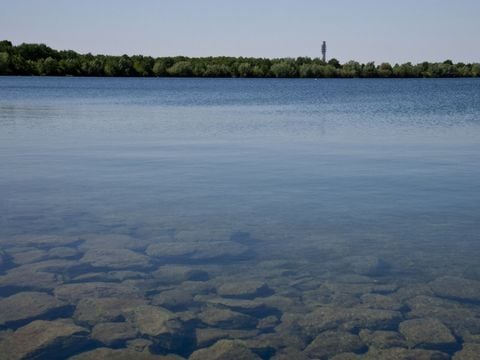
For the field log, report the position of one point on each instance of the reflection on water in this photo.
(223, 219)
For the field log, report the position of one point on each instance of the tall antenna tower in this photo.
(324, 51)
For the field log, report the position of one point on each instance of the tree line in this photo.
(40, 59)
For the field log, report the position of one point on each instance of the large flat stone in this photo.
(23, 307)
(113, 333)
(115, 259)
(73, 293)
(427, 334)
(121, 354)
(92, 311)
(330, 343)
(45, 340)
(457, 288)
(225, 350)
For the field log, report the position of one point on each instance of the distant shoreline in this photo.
(41, 60)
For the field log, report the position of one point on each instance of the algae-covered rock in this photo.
(330, 343)
(26, 306)
(333, 318)
(377, 301)
(113, 333)
(198, 251)
(456, 288)
(208, 336)
(468, 352)
(115, 259)
(383, 339)
(22, 256)
(63, 252)
(92, 311)
(2, 258)
(427, 334)
(41, 241)
(175, 274)
(121, 354)
(225, 350)
(249, 289)
(227, 319)
(153, 320)
(73, 293)
(404, 354)
(259, 307)
(111, 241)
(367, 265)
(160, 325)
(26, 278)
(44, 340)
(173, 299)
(455, 315)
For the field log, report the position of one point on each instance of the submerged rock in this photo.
(41, 241)
(173, 299)
(115, 259)
(367, 265)
(92, 311)
(44, 339)
(227, 319)
(468, 352)
(453, 314)
(377, 301)
(161, 325)
(26, 278)
(121, 354)
(198, 251)
(383, 339)
(339, 318)
(111, 241)
(249, 289)
(73, 293)
(427, 334)
(456, 288)
(113, 333)
(330, 343)
(208, 336)
(225, 350)
(260, 307)
(23, 307)
(173, 274)
(2, 258)
(404, 354)
(22, 256)
(63, 252)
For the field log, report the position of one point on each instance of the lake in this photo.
(263, 218)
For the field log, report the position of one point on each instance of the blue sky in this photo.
(364, 30)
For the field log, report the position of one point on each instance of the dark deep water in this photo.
(298, 219)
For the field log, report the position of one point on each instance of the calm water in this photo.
(320, 190)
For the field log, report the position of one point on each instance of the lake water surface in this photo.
(298, 219)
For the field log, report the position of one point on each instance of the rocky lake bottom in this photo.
(231, 295)
(236, 219)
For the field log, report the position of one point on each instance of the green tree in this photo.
(245, 69)
(283, 69)
(4, 63)
(6, 46)
(48, 66)
(369, 70)
(335, 63)
(181, 68)
(385, 70)
(351, 69)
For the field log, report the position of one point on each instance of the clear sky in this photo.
(364, 30)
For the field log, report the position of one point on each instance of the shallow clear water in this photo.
(326, 189)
